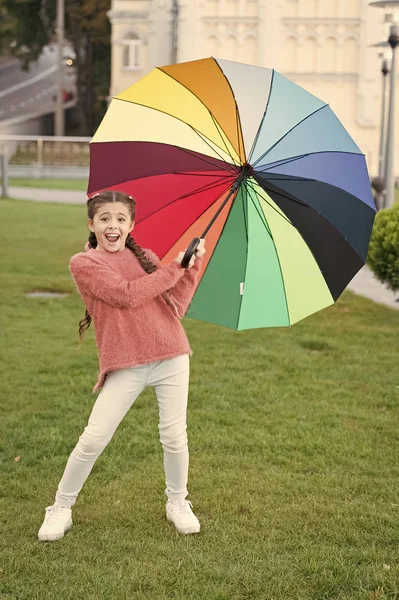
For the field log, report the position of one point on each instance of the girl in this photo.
(136, 304)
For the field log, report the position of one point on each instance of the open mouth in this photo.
(112, 239)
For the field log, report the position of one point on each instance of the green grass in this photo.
(57, 184)
(293, 437)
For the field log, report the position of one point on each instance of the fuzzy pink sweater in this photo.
(133, 323)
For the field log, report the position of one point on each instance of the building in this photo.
(322, 45)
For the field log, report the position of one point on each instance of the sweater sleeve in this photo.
(183, 291)
(100, 281)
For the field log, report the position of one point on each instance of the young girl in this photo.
(136, 304)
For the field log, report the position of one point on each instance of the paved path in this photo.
(47, 195)
(364, 283)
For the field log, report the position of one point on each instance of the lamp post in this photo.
(381, 162)
(59, 106)
(393, 41)
(386, 56)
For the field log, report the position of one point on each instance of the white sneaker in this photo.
(180, 514)
(57, 521)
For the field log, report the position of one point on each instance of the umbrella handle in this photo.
(189, 252)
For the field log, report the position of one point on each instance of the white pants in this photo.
(170, 378)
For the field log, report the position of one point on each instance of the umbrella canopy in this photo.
(267, 164)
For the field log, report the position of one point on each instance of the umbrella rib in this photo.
(238, 118)
(288, 132)
(261, 215)
(240, 134)
(182, 198)
(271, 205)
(227, 149)
(232, 170)
(198, 173)
(177, 118)
(180, 173)
(220, 235)
(305, 242)
(204, 188)
(203, 104)
(315, 210)
(284, 161)
(204, 138)
(275, 247)
(308, 179)
(244, 188)
(261, 121)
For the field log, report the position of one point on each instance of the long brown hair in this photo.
(93, 204)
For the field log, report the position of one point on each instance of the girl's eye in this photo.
(105, 218)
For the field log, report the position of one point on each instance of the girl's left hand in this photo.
(200, 251)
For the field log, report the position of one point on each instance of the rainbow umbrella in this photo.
(262, 168)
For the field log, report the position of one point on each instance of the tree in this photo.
(30, 25)
(383, 252)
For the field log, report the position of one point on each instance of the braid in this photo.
(86, 321)
(143, 259)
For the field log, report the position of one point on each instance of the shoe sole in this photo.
(194, 529)
(51, 537)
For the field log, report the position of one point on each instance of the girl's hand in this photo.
(180, 257)
(200, 251)
(201, 248)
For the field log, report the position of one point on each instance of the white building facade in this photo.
(322, 45)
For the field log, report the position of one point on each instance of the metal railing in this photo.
(39, 157)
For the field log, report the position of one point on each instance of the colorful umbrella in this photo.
(260, 166)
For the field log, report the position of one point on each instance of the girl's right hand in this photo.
(180, 257)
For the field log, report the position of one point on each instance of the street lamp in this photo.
(393, 41)
(59, 107)
(386, 58)
(381, 163)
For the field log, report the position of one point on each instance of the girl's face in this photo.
(111, 218)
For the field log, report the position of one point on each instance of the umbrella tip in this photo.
(246, 170)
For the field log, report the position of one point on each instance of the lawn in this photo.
(293, 437)
(56, 184)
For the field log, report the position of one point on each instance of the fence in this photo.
(39, 157)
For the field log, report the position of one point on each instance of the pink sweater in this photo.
(133, 323)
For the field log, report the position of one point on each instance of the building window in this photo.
(131, 52)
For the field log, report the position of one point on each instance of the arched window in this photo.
(307, 56)
(351, 56)
(329, 55)
(131, 52)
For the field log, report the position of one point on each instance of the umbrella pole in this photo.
(195, 241)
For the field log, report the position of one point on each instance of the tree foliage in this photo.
(29, 25)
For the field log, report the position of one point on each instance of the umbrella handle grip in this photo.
(189, 252)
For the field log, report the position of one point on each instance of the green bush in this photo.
(383, 253)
